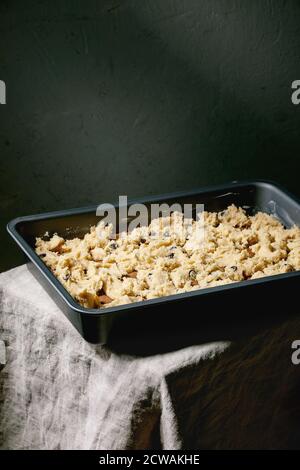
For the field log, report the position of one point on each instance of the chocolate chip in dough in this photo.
(132, 275)
(105, 299)
(192, 274)
(250, 253)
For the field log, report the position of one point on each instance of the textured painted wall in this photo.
(138, 97)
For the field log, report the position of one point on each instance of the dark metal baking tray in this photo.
(202, 310)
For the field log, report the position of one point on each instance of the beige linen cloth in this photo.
(59, 392)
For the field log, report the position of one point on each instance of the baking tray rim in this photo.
(68, 299)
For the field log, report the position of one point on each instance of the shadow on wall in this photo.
(139, 99)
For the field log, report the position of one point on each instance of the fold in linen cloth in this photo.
(59, 392)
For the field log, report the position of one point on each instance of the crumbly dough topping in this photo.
(100, 272)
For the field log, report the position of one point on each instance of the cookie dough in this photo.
(101, 272)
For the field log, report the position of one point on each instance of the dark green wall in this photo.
(142, 97)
